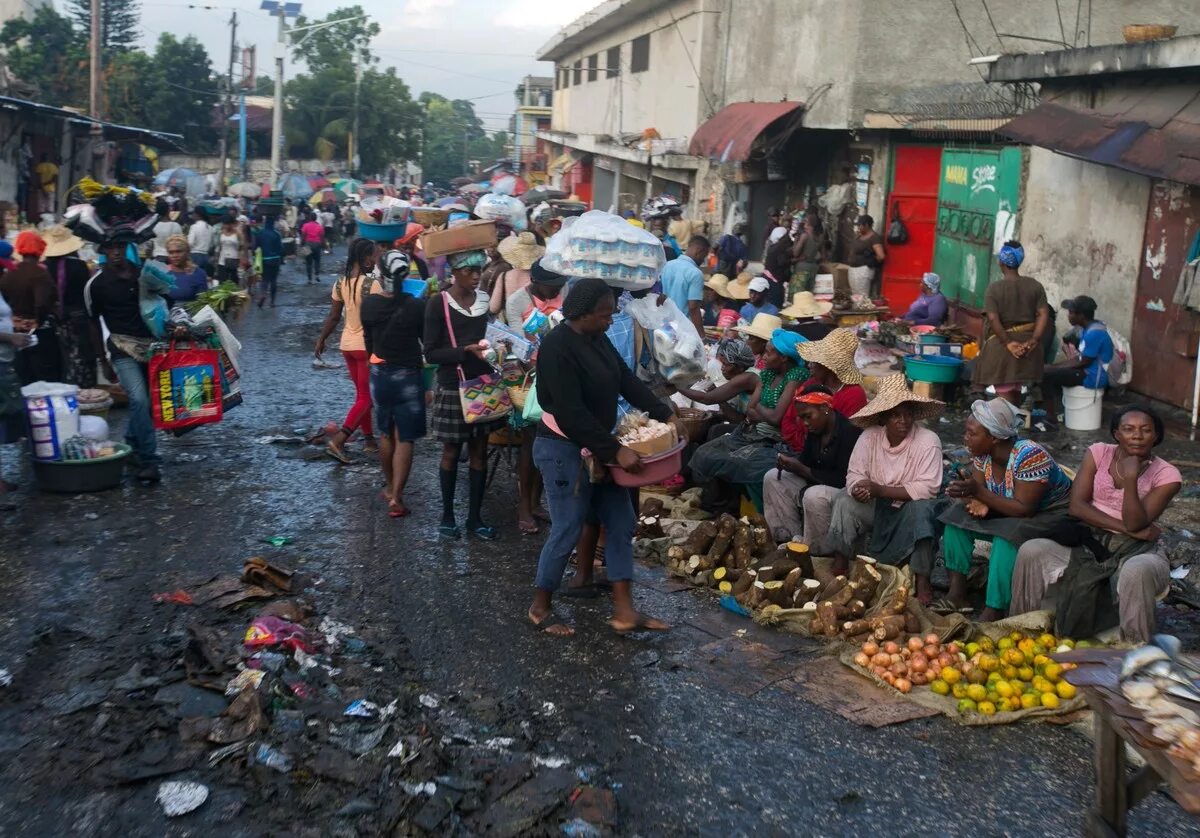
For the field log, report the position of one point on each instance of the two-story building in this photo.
(532, 114)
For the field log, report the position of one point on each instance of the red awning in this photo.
(1154, 131)
(730, 134)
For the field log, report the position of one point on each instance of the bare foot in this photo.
(636, 622)
(539, 618)
(924, 591)
(990, 615)
(396, 508)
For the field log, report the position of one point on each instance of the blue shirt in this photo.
(1096, 345)
(270, 243)
(748, 310)
(620, 335)
(682, 282)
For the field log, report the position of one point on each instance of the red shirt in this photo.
(846, 401)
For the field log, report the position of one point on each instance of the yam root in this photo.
(758, 594)
(844, 595)
(725, 574)
(699, 540)
(806, 591)
(827, 616)
(744, 582)
(725, 587)
(775, 592)
(799, 553)
(698, 563)
(868, 578)
(897, 604)
(809, 606)
(790, 582)
(777, 569)
(760, 541)
(653, 507)
(726, 527)
(743, 546)
(755, 520)
(648, 526)
(912, 624)
(857, 609)
(888, 628)
(835, 585)
(852, 628)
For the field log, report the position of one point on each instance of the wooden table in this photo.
(1117, 723)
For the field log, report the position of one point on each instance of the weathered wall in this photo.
(259, 168)
(666, 97)
(1082, 226)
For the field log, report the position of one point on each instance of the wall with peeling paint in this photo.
(1082, 226)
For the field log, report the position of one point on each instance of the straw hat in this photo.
(762, 326)
(804, 304)
(739, 289)
(521, 250)
(893, 392)
(718, 283)
(60, 241)
(835, 352)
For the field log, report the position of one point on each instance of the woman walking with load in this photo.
(1017, 320)
(455, 323)
(580, 377)
(347, 296)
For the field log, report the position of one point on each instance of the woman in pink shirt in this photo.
(1120, 492)
(312, 238)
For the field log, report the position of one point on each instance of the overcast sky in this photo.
(463, 49)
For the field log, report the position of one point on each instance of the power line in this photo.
(1061, 29)
(972, 46)
(996, 31)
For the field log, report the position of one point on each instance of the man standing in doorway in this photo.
(683, 282)
(47, 177)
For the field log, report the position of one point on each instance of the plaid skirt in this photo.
(448, 424)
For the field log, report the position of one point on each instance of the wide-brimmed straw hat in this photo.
(739, 289)
(720, 284)
(60, 241)
(804, 304)
(762, 326)
(521, 250)
(894, 392)
(835, 352)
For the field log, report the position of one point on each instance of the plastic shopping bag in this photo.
(675, 344)
(185, 388)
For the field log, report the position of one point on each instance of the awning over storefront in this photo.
(1154, 131)
(730, 134)
(111, 130)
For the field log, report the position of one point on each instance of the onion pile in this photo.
(913, 663)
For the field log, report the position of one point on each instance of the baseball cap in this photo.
(759, 284)
(1083, 304)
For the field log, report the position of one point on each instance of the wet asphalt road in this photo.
(685, 752)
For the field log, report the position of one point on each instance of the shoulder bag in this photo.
(483, 399)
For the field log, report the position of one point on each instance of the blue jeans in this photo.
(140, 433)
(571, 496)
(399, 397)
(270, 279)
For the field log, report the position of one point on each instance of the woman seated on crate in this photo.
(930, 308)
(1013, 492)
(895, 474)
(743, 457)
(733, 397)
(1121, 492)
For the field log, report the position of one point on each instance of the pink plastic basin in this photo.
(655, 469)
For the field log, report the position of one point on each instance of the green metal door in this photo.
(977, 205)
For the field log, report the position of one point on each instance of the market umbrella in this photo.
(543, 193)
(245, 189)
(348, 185)
(174, 177)
(294, 185)
(327, 196)
(319, 182)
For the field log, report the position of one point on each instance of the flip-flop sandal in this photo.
(340, 456)
(944, 606)
(580, 591)
(642, 624)
(541, 625)
(449, 530)
(484, 532)
(401, 512)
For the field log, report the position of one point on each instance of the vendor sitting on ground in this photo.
(734, 395)
(1014, 492)
(719, 309)
(1087, 369)
(759, 304)
(1120, 493)
(744, 456)
(892, 483)
(813, 479)
(930, 308)
(758, 335)
(830, 365)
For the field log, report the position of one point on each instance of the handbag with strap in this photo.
(483, 399)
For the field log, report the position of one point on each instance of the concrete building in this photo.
(10, 9)
(740, 106)
(1111, 198)
(535, 95)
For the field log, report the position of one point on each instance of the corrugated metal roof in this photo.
(1152, 130)
(114, 130)
(729, 135)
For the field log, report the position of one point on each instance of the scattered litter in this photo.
(1156, 305)
(268, 662)
(281, 439)
(359, 744)
(390, 710)
(419, 789)
(499, 743)
(247, 678)
(5, 678)
(304, 659)
(429, 701)
(354, 646)
(1180, 572)
(288, 721)
(333, 630)
(217, 756)
(190, 458)
(579, 828)
(637, 739)
(548, 708)
(277, 540)
(356, 807)
(241, 720)
(258, 571)
(178, 597)
(362, 709)
(731, 604)
(322, 364)
(628, 708)
(91, 516)
(272, 758)
(179, 798)
(272, 631)
(1187, 534)
(740, 633)
(550, 762)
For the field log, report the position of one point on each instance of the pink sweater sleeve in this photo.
(925, 478)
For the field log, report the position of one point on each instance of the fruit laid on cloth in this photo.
(1012, 673)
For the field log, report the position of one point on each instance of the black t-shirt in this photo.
(76, 273)
(392, 328)
(115, 298)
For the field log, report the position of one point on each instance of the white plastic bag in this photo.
(53, 417)
(675, 344)
(606, 246)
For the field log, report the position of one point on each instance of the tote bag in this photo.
(483, 399)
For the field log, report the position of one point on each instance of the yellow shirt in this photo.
(47, 174)
(349, 292)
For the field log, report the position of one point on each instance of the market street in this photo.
(88, 730)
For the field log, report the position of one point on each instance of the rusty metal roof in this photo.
(1153, 130)
(729, 134)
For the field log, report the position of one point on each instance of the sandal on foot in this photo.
(946, 606)
(449, 530)
(338, 454)
(483, 531)
(397, 510)
(643, 623)
(556, 629)
(528, 526)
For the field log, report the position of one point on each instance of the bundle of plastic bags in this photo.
(503, 208)
(676, 346)
(600, 244)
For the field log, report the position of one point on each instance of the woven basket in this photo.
(1136, 33)
(696, 422)
(517, 394)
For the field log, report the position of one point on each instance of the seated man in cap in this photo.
(1089, 368)
(759, 304)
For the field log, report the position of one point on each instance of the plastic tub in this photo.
(935, 369)
(1081, 408)
(932, 338)
(655, 469)
(382, 232)
(74, 476)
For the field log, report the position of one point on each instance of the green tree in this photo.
(184, 91)
(118, 23)
(334, 46)
(45, 51)
(452, 134)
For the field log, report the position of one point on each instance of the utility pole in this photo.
(97, 132)
(277, 111)
(226, 105)
(354, 155)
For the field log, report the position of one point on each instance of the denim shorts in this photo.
(398, 394)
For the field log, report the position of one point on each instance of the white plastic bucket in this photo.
(1081, 408)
